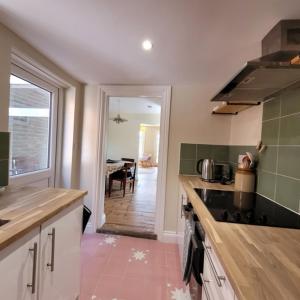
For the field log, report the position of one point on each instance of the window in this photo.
(32, 126)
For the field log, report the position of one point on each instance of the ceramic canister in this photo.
(245, 180)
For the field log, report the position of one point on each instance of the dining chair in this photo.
(125, 175)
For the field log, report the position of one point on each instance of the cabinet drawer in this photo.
(219, 277)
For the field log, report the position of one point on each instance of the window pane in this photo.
(29, 124)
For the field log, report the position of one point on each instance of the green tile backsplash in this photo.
(279, 165)
(278, 170)
(270, 132)
(272, 109)
(4, 158)
(191, 153)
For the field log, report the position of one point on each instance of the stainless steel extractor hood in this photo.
(278, 68)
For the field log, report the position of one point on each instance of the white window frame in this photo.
(49, 173)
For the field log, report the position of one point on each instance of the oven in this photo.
(193, 252)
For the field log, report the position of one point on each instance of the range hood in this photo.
(278, 68)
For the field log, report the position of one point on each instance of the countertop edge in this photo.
(78, 195)
(209, 219)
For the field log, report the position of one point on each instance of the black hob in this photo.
(247, 208)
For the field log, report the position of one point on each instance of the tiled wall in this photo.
(279, 167)
(191, 153)
(278, 172)
(4, 157)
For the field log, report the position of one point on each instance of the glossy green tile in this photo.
(203, 151)
(289, 161)
(267, 159)
(233, 154)
(290, 130)
(188, 151)
(4, 172)
(270, 131)
(4, 145)
(233, 167)
(290, 102)
(288, 192)
(266, 184)
(271, 109)
(235, 151)
(220, 153)
(187, 167)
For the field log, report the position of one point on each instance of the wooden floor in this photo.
(135, 213)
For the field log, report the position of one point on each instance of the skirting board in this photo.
(169, 237)
(103, 220)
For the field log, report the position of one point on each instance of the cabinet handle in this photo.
(217, 276)
(181, 208)
(204, 281)
(33, 282)
(51, 264)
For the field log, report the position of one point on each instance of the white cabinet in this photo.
(60, 256)
(19, 267)
(216, 283)
(182, 199)
(45, 263)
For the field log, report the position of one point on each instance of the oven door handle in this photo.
(217, 276)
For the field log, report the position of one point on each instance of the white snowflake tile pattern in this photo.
(123, 272)
(139, 255)
(180, 294)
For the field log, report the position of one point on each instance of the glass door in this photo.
(32, 126)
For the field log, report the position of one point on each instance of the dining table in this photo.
(113, 166)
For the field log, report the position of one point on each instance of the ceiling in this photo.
(99, 41)
(134, 105)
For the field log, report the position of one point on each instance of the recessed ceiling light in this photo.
(149, 106)
(147, 45)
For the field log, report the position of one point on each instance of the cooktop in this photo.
(247, 208)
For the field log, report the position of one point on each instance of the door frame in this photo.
(104, 92)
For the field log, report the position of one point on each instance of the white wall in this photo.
(89, 146)
(246, 127)
(123, 139)
(10, 42)
(191, 122)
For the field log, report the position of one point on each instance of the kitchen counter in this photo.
(29, 207)
(260, 262)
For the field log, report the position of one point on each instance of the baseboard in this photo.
(169, 237)
(103, 220)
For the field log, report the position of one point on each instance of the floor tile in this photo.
(126, 268)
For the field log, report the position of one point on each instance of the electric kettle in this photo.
(206, 168)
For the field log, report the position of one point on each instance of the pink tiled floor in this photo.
(126, 268)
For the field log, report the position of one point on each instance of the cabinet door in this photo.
(181, 220)
(60, 255)
(19, 267)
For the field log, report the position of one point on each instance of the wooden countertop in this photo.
(261, 262)
(29, 207)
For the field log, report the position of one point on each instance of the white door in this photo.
(32, 126)
(60, 256)
(19, 268)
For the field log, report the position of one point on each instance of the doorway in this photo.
(98, 174)
(131, 166)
